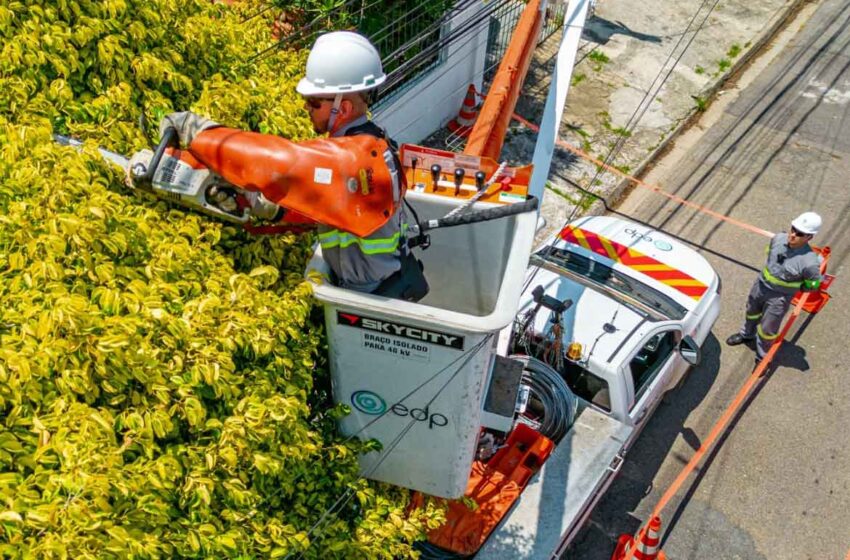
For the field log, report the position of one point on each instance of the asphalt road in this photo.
(779, 486)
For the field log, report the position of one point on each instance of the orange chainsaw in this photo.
(244, 176)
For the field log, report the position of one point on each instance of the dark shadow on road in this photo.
(600, 30)
(790, 355)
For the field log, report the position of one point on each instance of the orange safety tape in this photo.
(721, 425)
(638, 182)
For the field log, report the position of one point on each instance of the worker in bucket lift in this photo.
(342, 69)
(791, 266)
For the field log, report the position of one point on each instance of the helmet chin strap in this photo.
(334, 113)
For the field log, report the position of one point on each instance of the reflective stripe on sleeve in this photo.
(754, 317)
(771, 279)
(343, 239)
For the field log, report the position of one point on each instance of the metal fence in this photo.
(502, 25)
(416, 44)
(412, 35)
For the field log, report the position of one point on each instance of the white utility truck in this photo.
(614, 310)
(642, 305)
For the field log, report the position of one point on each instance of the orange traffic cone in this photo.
(623, 544)
(646, 545)
(462, 125)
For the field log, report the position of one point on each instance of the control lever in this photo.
(413, 163)
(459, 174)
(435, 175)
(479, 180)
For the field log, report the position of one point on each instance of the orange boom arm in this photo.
(340, 182)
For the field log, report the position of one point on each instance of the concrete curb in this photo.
(616, 194)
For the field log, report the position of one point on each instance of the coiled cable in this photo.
(551, 391)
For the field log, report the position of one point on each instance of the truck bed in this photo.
(558, 496)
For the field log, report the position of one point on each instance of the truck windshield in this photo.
(603, 275)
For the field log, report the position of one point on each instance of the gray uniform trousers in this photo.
(765, 309)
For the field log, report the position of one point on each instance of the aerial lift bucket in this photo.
(415, 374)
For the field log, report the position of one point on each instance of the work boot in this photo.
(737, 339)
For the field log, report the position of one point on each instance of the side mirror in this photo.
(690, 350)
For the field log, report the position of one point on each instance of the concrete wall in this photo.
(436, 97)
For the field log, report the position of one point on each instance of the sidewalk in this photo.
(626, 53)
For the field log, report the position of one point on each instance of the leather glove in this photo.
(187, 125)
(263, 208)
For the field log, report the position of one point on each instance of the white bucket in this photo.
(414, 374)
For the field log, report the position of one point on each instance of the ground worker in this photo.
(791, 266)
(342, 68)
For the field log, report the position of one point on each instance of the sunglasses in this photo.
(797, 232)
(315, 102)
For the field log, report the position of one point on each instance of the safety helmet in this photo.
(341, 62)
(808, 223)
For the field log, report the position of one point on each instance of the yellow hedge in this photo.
(162, 383)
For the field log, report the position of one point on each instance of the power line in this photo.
(638, 113)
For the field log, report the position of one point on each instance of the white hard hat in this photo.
(808, 223)
(341, 62)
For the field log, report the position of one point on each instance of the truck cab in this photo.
(642, 304)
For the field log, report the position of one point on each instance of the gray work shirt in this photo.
(354, 269)
(786, 268)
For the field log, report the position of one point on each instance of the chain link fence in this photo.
(502, 25)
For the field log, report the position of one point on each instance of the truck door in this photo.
(648, 369)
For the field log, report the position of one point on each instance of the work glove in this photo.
(263, 208)
(187, 125)
(810, 285)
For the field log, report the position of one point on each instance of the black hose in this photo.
(529, 205)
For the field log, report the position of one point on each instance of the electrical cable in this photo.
(548, 387)
(346, 496)
(638, 113)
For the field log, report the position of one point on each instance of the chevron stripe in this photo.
(635, 260)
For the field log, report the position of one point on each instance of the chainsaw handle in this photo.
(169, 140)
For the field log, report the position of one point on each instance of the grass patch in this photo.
(699, 70)
(577, 79)
(701, 103)
(582, 200)
(599, 58)
(733, 51)
(619, 131)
